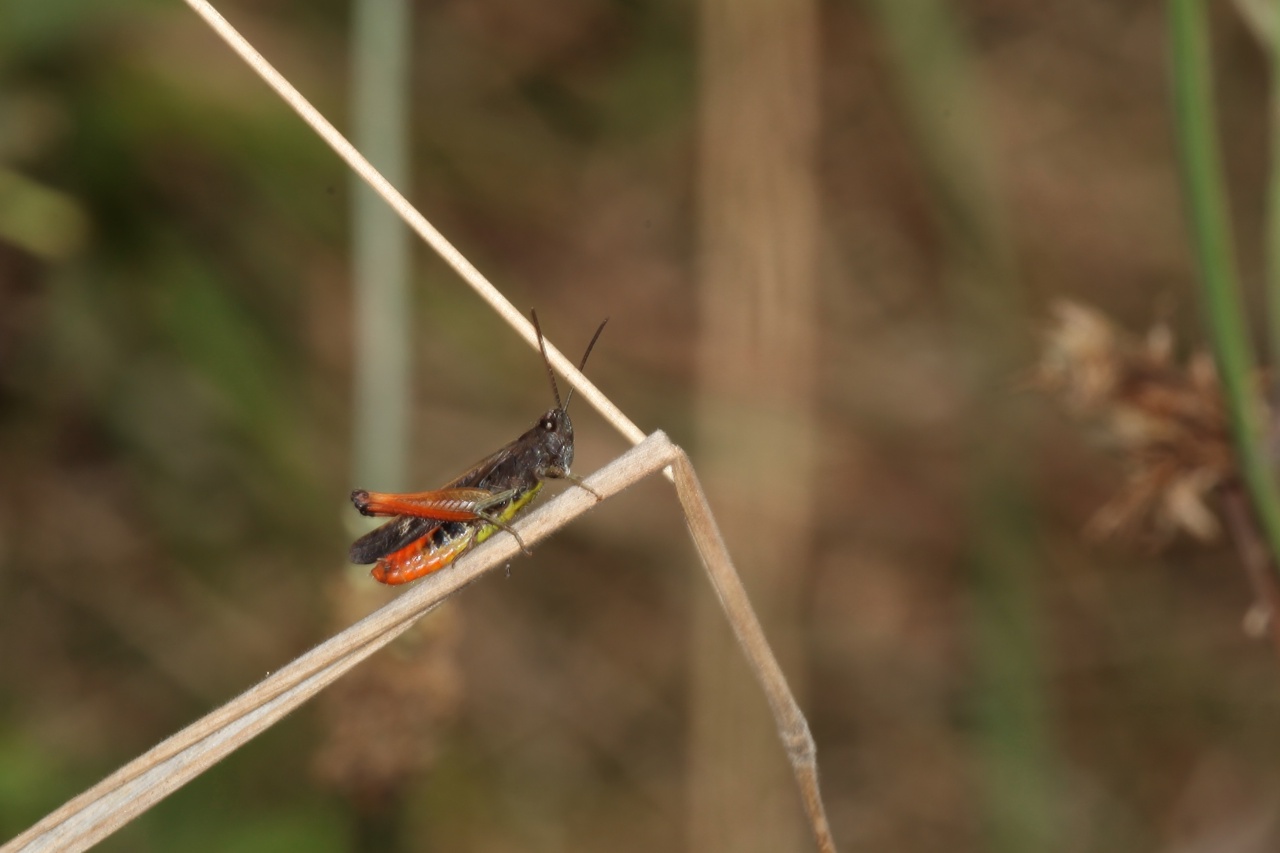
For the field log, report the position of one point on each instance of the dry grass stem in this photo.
(140, 784)
(793, 729)
(415, 220)
(758, 227)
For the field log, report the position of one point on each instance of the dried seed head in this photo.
(1167, 420)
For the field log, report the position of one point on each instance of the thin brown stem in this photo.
(793, 728)
(415, 220)
(1255, 557)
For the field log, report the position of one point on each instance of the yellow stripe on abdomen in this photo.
(508, 513)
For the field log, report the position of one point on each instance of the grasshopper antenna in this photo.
(583, 363)
(551, 374)
(555, 389)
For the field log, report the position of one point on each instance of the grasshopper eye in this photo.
(548, 424)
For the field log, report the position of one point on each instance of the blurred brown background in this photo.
(827, 253)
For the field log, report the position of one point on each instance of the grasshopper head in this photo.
(555, 432)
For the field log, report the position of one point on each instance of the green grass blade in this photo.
(1211, 234)
(380, 245)
(1273, 199)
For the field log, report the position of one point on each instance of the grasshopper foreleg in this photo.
(555, 472)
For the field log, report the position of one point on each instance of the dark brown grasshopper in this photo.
(432, 529)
